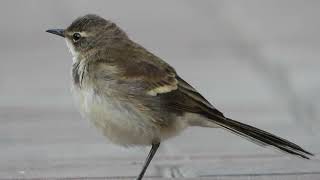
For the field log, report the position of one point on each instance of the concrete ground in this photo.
(256, 61)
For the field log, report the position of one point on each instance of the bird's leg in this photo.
(152, 152)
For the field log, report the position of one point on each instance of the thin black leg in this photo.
(152, 152)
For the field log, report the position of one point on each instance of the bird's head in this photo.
(89, 34)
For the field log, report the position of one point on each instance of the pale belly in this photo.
(119, 121)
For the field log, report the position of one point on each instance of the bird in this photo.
(134, 98)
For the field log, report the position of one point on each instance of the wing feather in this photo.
(157, 78)
(160, 83)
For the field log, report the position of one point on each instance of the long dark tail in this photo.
(259, 136)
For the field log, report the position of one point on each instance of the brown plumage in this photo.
(135, 98)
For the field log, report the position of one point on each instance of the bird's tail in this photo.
(259, 136)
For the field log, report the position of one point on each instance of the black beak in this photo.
(59, 32)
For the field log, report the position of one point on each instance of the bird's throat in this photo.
(75, 54)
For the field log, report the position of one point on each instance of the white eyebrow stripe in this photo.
(83, 34)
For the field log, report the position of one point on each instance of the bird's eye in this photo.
(76, 36)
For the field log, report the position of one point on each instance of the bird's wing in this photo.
(161, 81)
(158, 79)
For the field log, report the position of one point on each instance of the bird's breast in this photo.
(120, 121)
(123, 119)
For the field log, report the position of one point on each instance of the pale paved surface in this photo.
(256, 61)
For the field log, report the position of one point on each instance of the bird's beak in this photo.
(59, 32)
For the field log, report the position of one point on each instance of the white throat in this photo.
(74, 53)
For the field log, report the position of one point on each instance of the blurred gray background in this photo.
(257, 61)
